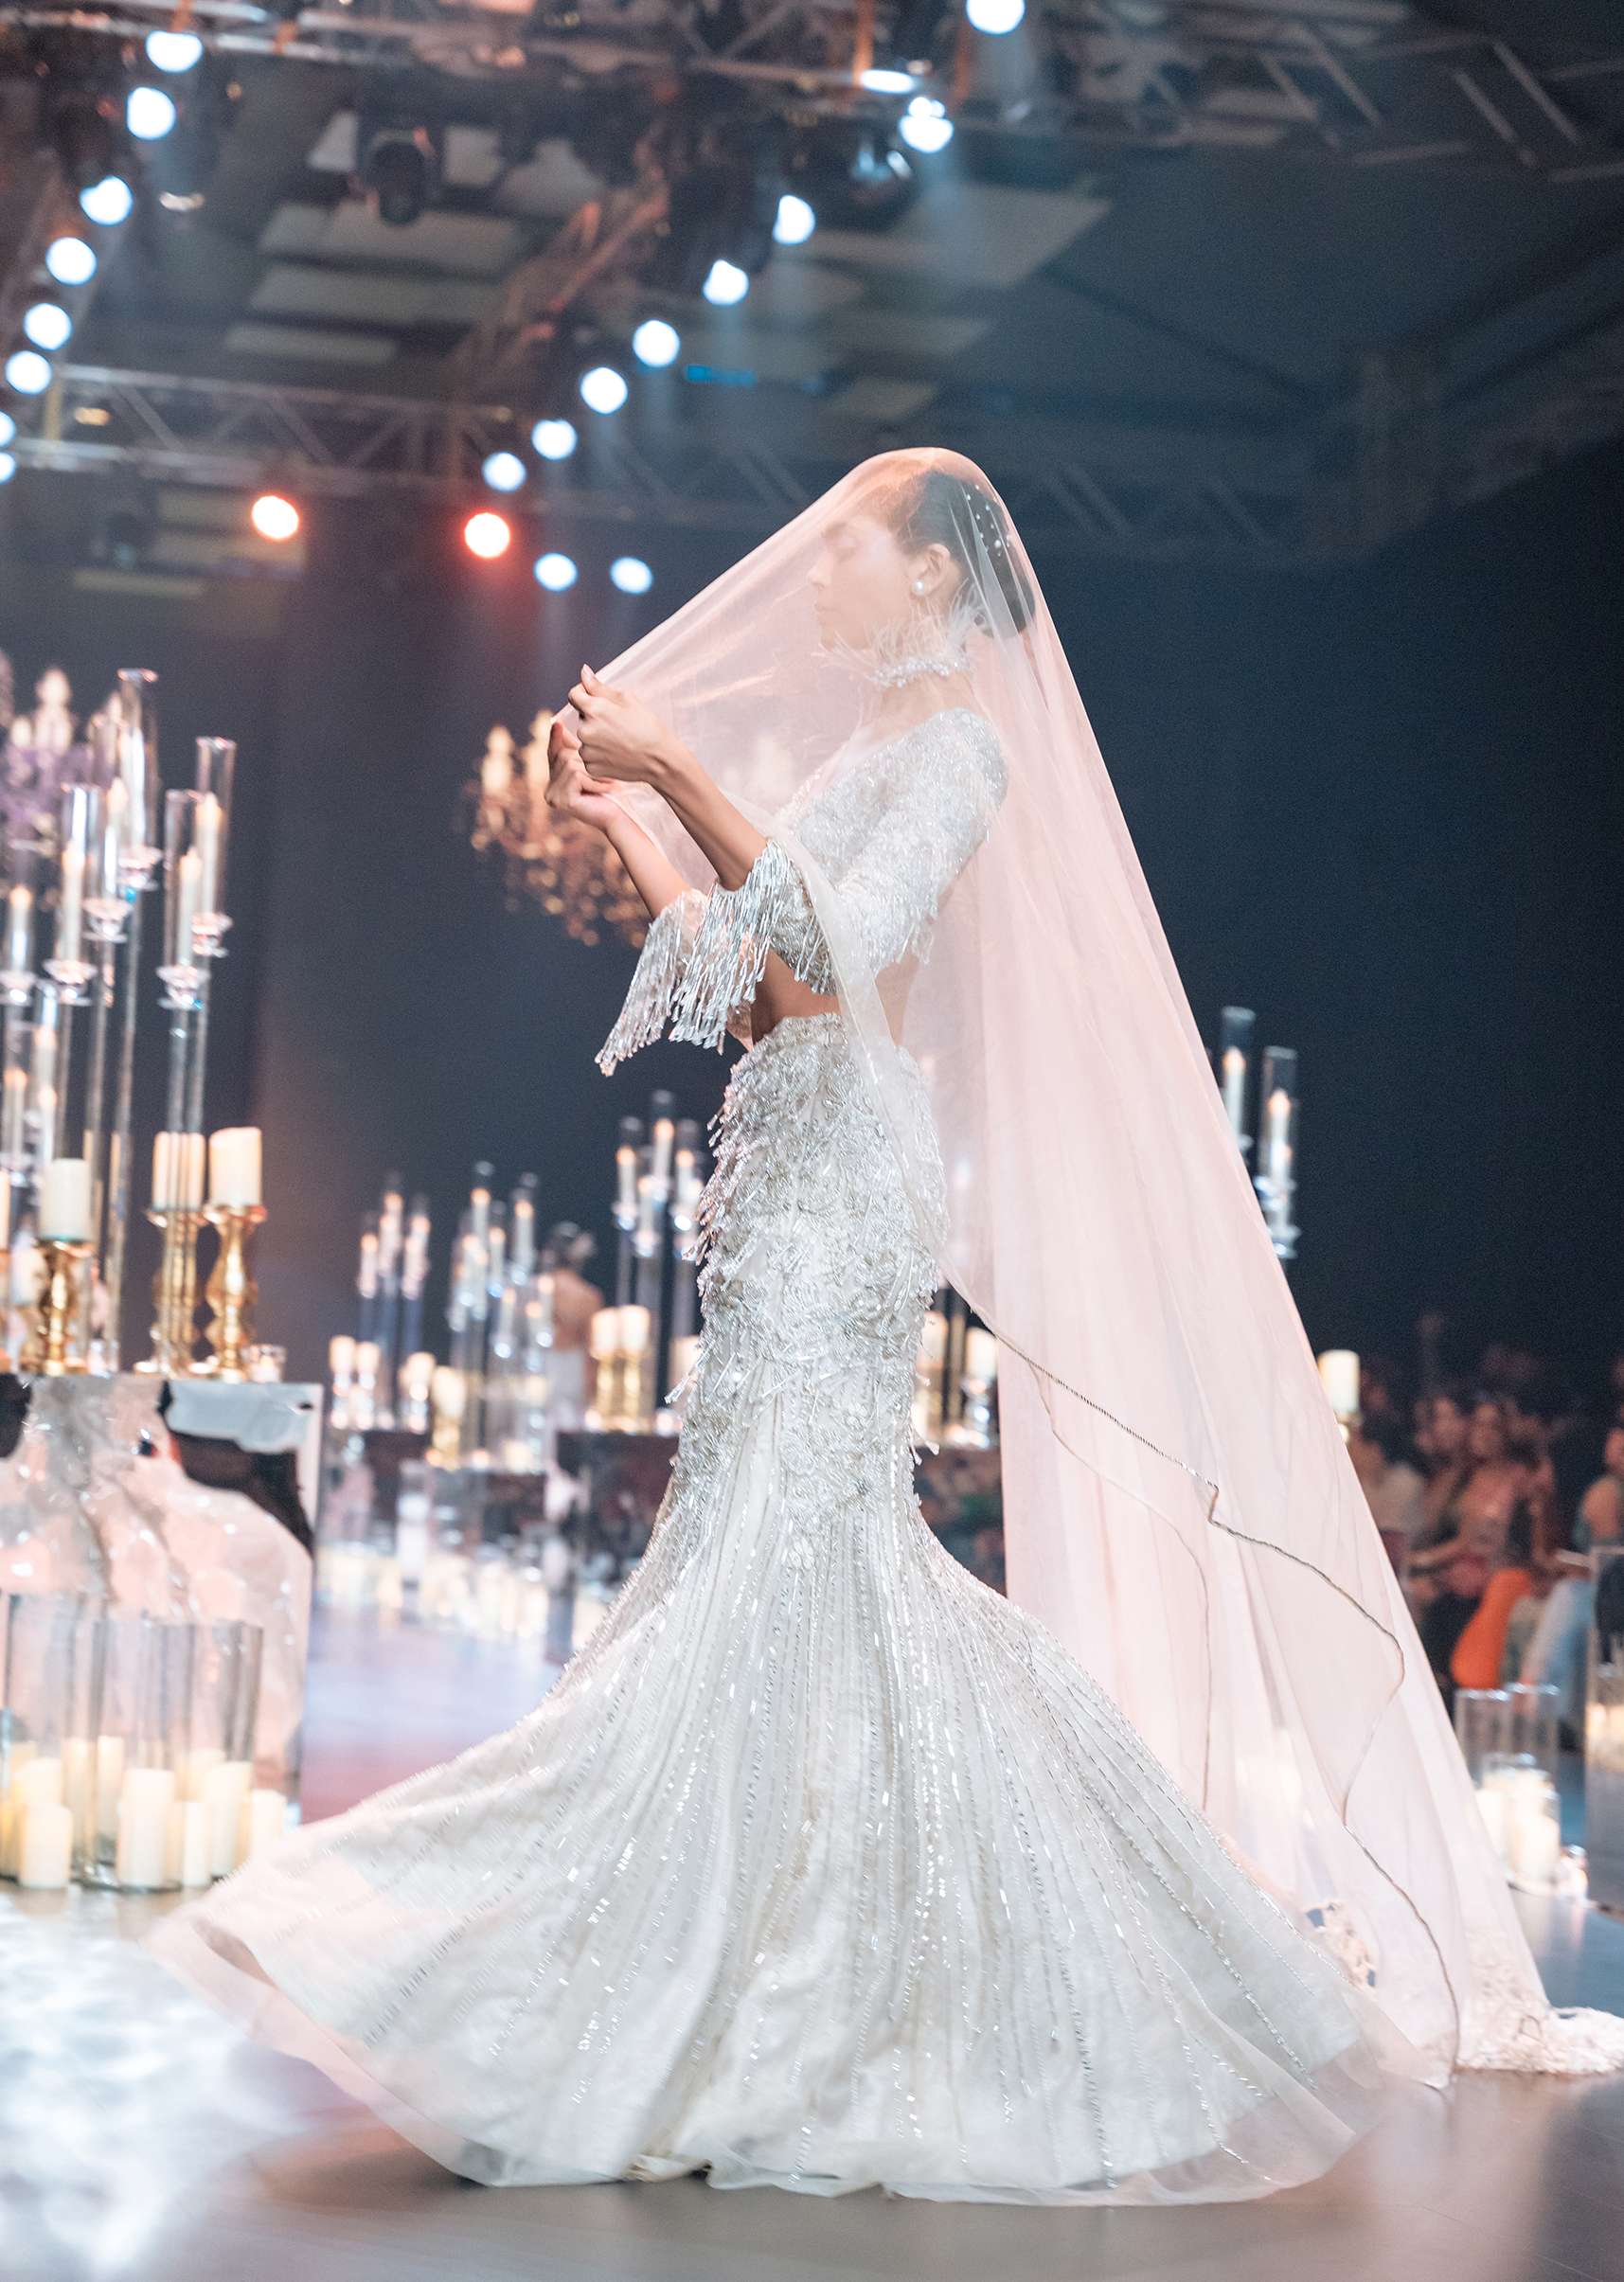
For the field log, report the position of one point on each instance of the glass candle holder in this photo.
(183, 891)
(142, 1749)
(135, 714)
(216, 775)
(218, 1773)
(50, 1693)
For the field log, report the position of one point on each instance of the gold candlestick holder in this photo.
(174, 1292)
(56, 1312)
(231, 1290)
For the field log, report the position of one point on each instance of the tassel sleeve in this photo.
(941, 807)
(666, 949)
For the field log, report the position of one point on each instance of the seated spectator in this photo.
(1489, 1651)
(1555, 1655)
(1474, 1525)
(1394, 1489)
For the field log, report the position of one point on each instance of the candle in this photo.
(20, 931)
(263, 1819)
(234, 1166)
(206, 839)
(1339, 1376)
(45, 1846)
(178, 1172)
(70, 904)
(665, 1133)
(1277, 1130)
(141, 1860)
(195, 1770)
(648, 1204)
(64, 1200)
(78, 1788)
(634, 1324)
(225, 1790)
(115, 838)
(14, 1116)
(980, 1355)
(109, 1781)
(626, 1171)
(187, 903)
(187, 1862)
(1235, 1089)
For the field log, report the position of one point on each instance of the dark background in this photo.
(1380, 805)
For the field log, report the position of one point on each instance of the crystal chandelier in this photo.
(566, 867)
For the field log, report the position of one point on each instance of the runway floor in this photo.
(142, 2138)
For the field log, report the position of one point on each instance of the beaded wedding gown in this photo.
(822, 1866)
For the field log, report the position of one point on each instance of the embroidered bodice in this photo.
(891, 827)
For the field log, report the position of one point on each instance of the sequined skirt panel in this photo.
(821, 1865)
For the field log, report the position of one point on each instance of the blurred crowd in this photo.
(1493, 1493)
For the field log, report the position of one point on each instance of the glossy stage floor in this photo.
(141, 2138)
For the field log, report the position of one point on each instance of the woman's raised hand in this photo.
(621, 738)
(571, 791)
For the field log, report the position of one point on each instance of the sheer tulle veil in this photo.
(1180, 1509)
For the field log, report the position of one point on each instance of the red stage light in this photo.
(486, 535)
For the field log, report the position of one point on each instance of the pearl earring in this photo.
(918, 586)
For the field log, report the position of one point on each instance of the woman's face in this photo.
(1486, 1437)
(1446, 1429)
(862, 580)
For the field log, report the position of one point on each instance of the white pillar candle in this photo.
(64, 1200)
(45, 1846)
(188, 894)
(188, 1861)
(37, 1782)
(1339, 1376)
(206, 839)
(634, 1326)
(70, 904)
(14, 1116)
(263, 1820)
(78, 1788)
(141, 1859)
(109, 1782)
(177, 1172)
(195, 1770)
(1235, 1089)
(980, 1355)
(225, 1786)
(234, 1166)
(20, 931)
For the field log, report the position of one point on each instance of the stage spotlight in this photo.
(884, 79)
(630, 575)
(8, 427)
(70, 261)
(556, 573)
(602, 389)
(274, 517)
(554, 438)
(107, 201)
(27, 372)
(925, 126)
(150, 113)
(994, 17)
(486, 535)
(655, 343)
(173, 50)
(48, 325)
(503, 471)
(7, 467)
(400, 173)
(797, 221)
(725, 284)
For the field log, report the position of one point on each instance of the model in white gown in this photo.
(822, 1866)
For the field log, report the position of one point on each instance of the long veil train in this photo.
(1180, 1509)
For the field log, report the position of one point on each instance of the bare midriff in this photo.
(779, 993)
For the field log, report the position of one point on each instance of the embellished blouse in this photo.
(891, 830)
